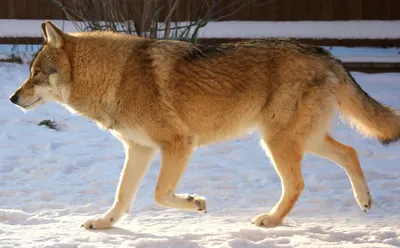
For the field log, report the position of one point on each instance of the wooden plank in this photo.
(299, 10)
(11, 9)
(4, 9)
(32, 10)
(264, 11)
(179, 14)
(348, 10)
(326, 8)
(270, 10)
(21, 40)
(45, 10)
(382, 9)
(57, 12)
(278, 10)
(244, 14)
(372, 67)
(355, 9)
(19, 9)
(284, 10)
(225, 8)
(375, 10)
(187, 10)
(164, 11)
(51, 10)
(313, 13)
(193, 10)
(395, 10)
(60, 13)
(341, 10)
(124, 9)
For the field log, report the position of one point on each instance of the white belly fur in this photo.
(135, 135)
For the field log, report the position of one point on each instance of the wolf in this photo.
(174, 96)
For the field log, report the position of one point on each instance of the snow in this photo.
(52, 181)
(366, 54)
(30, 28)
(303, 29)
(245, 29)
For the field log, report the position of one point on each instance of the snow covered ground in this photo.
(52, 181)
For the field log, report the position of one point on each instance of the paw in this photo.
(364, 201)
(199, 201)
(99, 223)
(267, 220)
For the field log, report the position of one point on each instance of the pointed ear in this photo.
(53, 35)
(44, 31)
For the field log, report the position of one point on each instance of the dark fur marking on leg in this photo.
(200, 206)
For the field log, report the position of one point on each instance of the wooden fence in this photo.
(278, 10)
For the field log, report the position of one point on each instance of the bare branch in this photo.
(142, 17)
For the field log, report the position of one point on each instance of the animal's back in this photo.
(223, 91)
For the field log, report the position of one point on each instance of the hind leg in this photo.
(286, 156)
(345, 157)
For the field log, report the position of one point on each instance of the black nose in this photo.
(14, 98)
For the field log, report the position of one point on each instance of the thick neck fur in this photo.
(97, 64)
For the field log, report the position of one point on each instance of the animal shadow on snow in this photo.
(133, 236)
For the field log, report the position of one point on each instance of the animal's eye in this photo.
(36, 72)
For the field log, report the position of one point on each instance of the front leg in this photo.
(175, 156)
(137, 160)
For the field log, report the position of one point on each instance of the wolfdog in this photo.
(175, 96)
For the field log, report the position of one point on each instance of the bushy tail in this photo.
(371, 118)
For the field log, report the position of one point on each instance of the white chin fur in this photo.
(34, 105)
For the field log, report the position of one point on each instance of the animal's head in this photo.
(49, 72)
